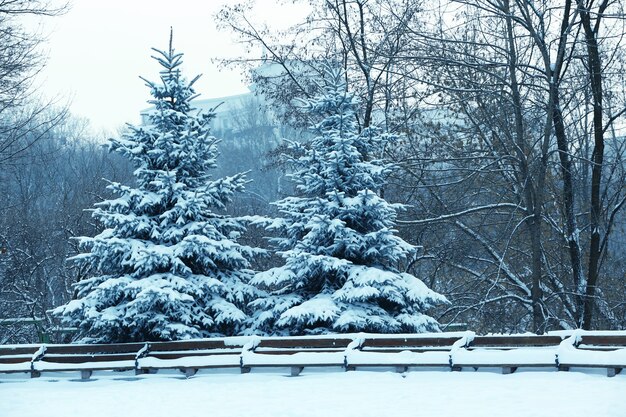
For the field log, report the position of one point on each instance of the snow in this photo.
(18, 320)
(522, 356)
(579, 357)
(15, 367)
(321, 307)
(191, 362)
(431, 358)
(315, 393)
(44, 365)
(580, 333)
(296, 359)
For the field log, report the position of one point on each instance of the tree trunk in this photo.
(595, 79)
(532, 185)
(568, 201)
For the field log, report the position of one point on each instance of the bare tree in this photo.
(508, 74)
(45, 197)
(507, 107)
(20, 60)
(362, 36)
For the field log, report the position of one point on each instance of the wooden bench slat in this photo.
(415, 349)
(88, 358)
(304, 343)
(190, 345)
(603, 340)
(18, 350)
(294, 351)
(94, 349)
(15, 359)
(514, 341)
(178, 355)
(410, 342)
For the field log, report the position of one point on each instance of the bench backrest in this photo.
(514, 341)
(181, 349)
(91, 353)
(17, 354)
(409, 343)
(188, 345)
(602, 342)
(279, 345)
(94, 349)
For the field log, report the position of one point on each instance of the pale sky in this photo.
(97, 51)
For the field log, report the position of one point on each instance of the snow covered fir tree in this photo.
(336, 235)
(167, 266)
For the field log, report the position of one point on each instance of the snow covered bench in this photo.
(17, 358)
(508, 352)
(189, 356)
(589, 350)
(296, 353)
(86, 358)
(402, 352)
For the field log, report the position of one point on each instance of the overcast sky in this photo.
(99, 48)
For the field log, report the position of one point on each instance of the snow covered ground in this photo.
(315, 393)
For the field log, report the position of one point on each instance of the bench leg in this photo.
(508, 370)
(456, 368)
(35, 374)
(401, 369)
(610, 372)
(350, 368)
(189, 372)
(144, 371)
(245, 369)
(295, 370)
(563, 368)
(85, 374)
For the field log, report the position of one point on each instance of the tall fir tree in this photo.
(167, 266)
(337, 237)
